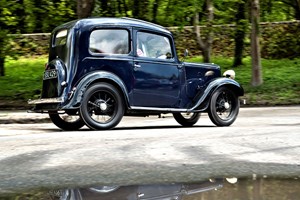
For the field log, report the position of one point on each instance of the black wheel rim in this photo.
(224, 105)
(102, 106)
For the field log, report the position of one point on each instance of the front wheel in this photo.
(102, 106)
(66, 122)
(186, 119)
(224, 107)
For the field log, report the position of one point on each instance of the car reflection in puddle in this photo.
(255, 188)
(140, 192)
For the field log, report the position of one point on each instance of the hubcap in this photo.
(226, 105)
(103, 106)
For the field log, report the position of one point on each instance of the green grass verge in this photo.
(22, 81)
(281, 78)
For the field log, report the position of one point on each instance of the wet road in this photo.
(263, 141)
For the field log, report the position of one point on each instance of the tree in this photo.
(3, 34)
(255, 49)
(85, 8)
(240, 32)
(295, 4)
(140, 9)
(7, 20)
(205, 45)
(155, 10)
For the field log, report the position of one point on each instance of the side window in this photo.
(153, 46)
(112, 41)
(60, 38)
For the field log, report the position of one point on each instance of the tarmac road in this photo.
(262, 142)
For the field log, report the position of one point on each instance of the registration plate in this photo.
(50, 74)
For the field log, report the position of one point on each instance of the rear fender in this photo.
(77, 92)
(202, 103)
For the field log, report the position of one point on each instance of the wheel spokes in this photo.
(101, 106)
(224, 105)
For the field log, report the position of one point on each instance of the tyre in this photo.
(187, 119)
(102, 106)
(66, 122)
(224, 107)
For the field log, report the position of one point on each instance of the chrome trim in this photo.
(159, 109)
(48, 100)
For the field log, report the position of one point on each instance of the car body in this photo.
(101, 69)
(138, 192)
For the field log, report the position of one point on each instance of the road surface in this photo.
(151, 150)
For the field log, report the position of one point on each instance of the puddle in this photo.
(225, 189)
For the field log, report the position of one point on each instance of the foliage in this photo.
(29, 16)
(281, 41)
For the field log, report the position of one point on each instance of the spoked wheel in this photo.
(187, 119)
(224, 107)
(66, 122)
(102, 106)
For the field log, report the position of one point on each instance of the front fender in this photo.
(211, 87)
(77, 94)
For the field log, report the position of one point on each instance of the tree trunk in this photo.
(240, 33)
(206, 45)
(206, 55)
(297, 9)
(2, 66)
(2, 50)
(155, 8)
(136, 9)
(85, 8)
(140, 9)
(295, 4)
(255, 49)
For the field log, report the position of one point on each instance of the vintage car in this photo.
(101, 69)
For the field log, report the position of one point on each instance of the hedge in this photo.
(278, 40)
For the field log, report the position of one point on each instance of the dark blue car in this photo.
(101, 69)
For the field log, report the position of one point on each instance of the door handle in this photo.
(136, 66)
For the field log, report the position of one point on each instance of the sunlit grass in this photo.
(281, 80)
(23, 78)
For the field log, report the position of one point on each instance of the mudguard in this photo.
(98, 76)
(202, 103)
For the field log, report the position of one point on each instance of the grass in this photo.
(281, 78)
(22, 81)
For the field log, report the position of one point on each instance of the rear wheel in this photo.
(224, 107)
(102, 106)
(187, 119)
(66, 122)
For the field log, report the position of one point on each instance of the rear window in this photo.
(111, 41)
(60, 37)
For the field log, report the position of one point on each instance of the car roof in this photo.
(124, 21)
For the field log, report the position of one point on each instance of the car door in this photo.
(155, 71)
